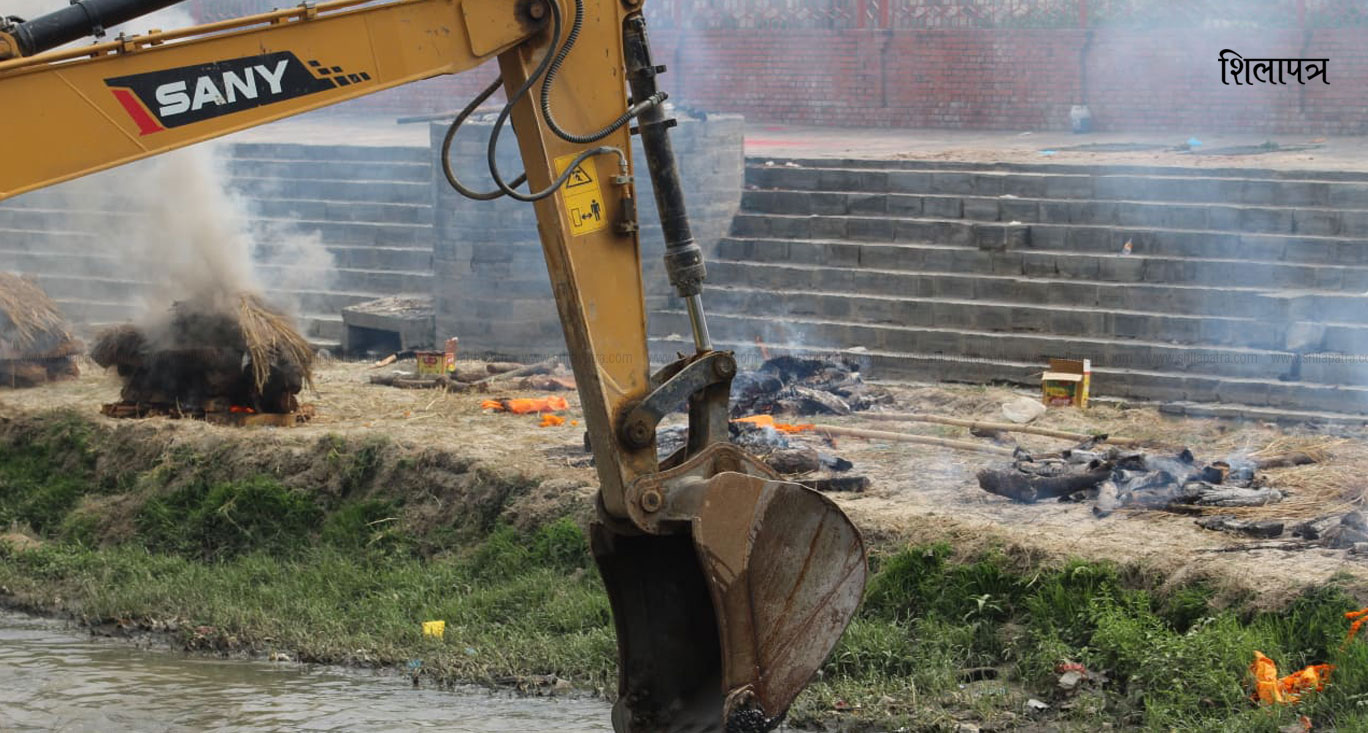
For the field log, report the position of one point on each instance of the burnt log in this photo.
(1204, 494)
(1314, 529)
(1265, 530)
(1028, 489)
(794, 461)
(851, 484)
(1283, 460)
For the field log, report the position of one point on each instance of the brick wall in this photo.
(1014, 79)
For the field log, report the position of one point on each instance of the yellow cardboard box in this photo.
(1067, 382)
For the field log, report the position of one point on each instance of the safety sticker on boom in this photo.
(583, 196)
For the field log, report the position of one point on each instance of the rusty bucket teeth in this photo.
(722, 623)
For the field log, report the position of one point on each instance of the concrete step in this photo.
(1093, 169)
(1199, 299)
(350, 189)
(332, 153)
(1180, 393)
(90, 315)
(1185, 188)
(366, 282)
(1006, 317)
(99, 289)
(1135, 268)
(328, 327)
(1315, 221)
(1100, 239)
(1035, 348)
(304, 168)
(342, 211)
(346, 232)
(348, 256)
(89, 264)
(322, 302)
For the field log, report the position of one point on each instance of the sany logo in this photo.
(169, 98)
(175, 98)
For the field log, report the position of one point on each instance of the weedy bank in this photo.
(334, 549)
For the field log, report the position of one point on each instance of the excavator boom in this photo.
(729, 586)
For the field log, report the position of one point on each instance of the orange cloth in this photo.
(1359, 617)
(551, 421)
(1270, 690)
(527, 405)
(768, 421)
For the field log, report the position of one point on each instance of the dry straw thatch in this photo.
(271, 337)
(31, 326)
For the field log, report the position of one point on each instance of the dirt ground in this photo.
(918, 494)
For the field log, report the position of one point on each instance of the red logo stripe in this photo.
(146, 123)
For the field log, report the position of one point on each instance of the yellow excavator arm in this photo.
(729, 587)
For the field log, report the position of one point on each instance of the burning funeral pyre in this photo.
(35, 343)
(790, 385)
(802, 386)
(212, 358)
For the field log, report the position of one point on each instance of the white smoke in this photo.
(180, 229)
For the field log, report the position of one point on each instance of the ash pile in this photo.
(220, 359)
(1112, 478)
(36, 345)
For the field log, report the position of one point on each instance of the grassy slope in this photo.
(340, 577)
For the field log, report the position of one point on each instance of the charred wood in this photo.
(1029, 489)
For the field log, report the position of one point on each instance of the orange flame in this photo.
(241, 409)
(551, 421)
(768, 421)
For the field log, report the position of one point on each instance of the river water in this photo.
(55, 678)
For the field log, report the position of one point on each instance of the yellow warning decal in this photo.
(583, 196)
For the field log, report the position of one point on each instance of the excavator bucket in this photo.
(722, 622)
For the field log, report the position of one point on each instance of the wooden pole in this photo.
(907, 438)
(1001, 427)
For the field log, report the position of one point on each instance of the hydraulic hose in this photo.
(551, 71)
(451, 136)
(80, 19)
(513, 99)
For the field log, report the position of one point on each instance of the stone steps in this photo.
(333, 153)
(1059, 264)
(1186, 187)
(1217, 397)
(314, 168)
(1245, 287)
(1161, 372)
(1149, 297)
(1075, 238)
(375, 283)
(343, 211)
(351, 189)
(1009, 317)
(1227, 219)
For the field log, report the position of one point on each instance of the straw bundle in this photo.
(271, 337)
(31, 326)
